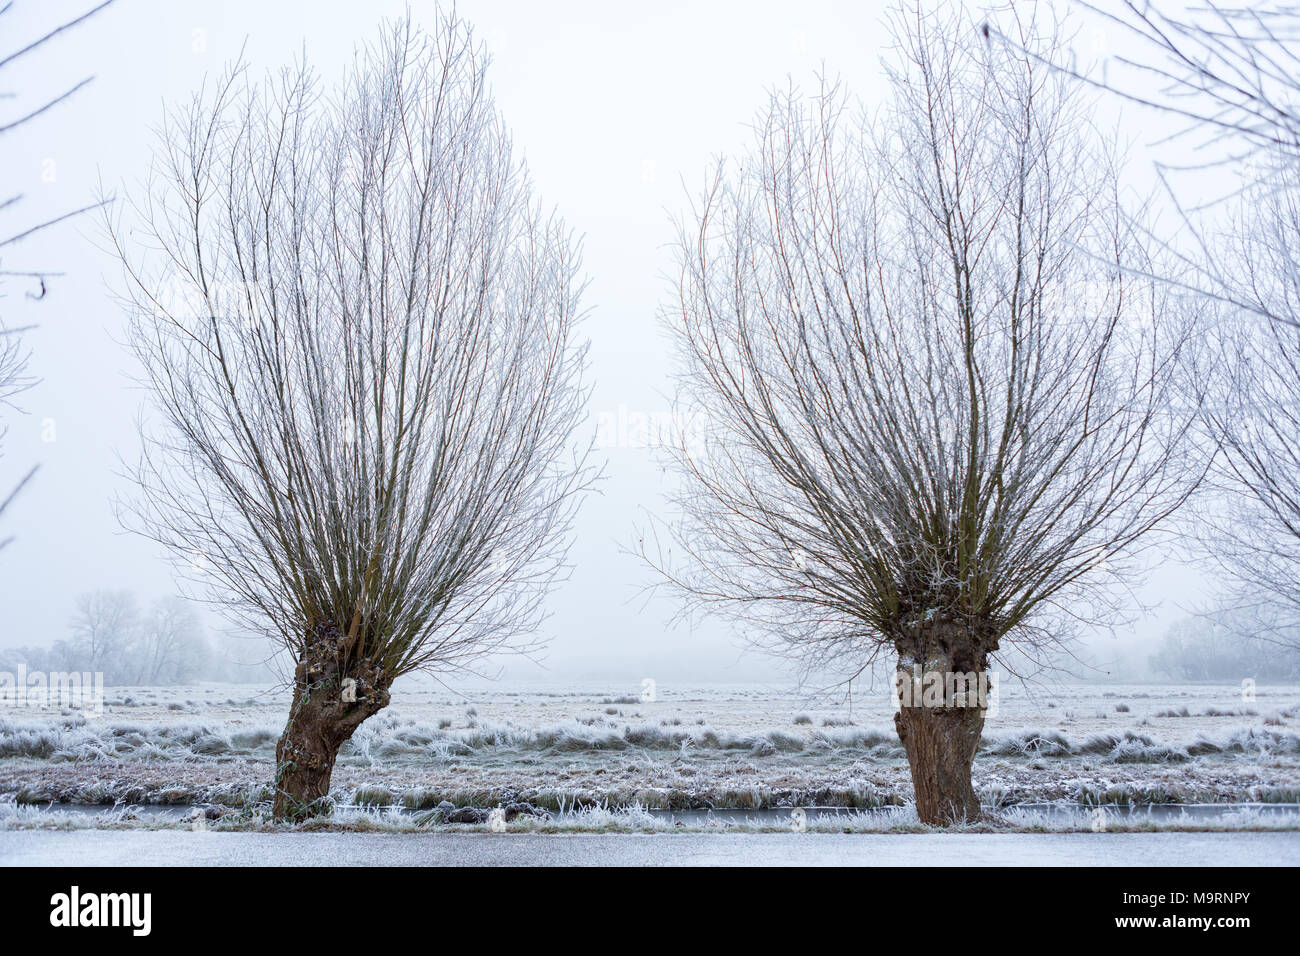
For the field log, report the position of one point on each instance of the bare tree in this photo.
(938, 396)
(14, 380)
(103, 628)
(24, 114)
(1231, 75)
(169, 647)
(1224, 644)
(1247, 523)
(358, 327)
(1227, 69)
(13, 356)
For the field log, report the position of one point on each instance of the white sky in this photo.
(616, 107)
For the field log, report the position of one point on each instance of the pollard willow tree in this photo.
(1247, 521)
(1229, 75)
(940, 402)
(358, 330)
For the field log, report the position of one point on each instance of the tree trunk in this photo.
(939, 721)
(321, 720)
(940, 745)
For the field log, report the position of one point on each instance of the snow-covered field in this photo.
(605, 749)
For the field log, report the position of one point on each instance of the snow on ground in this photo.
(737, 746)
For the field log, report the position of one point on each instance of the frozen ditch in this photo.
(1053, 814)
(1065, 812)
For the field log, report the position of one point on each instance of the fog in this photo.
(619, 109)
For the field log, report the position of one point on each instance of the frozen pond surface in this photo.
(180, 847)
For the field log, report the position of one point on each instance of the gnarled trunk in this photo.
(940, 745)
(326, 711)
(943, 686)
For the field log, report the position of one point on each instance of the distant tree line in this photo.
(165, 643)
(1227, 645)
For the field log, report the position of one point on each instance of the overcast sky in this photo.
(619, 108)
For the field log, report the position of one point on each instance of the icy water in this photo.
(1057, 813)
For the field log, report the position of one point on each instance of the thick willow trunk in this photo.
(943, 687)
(940, 747)
(333, 693)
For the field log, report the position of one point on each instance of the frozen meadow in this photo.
(599, 757)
